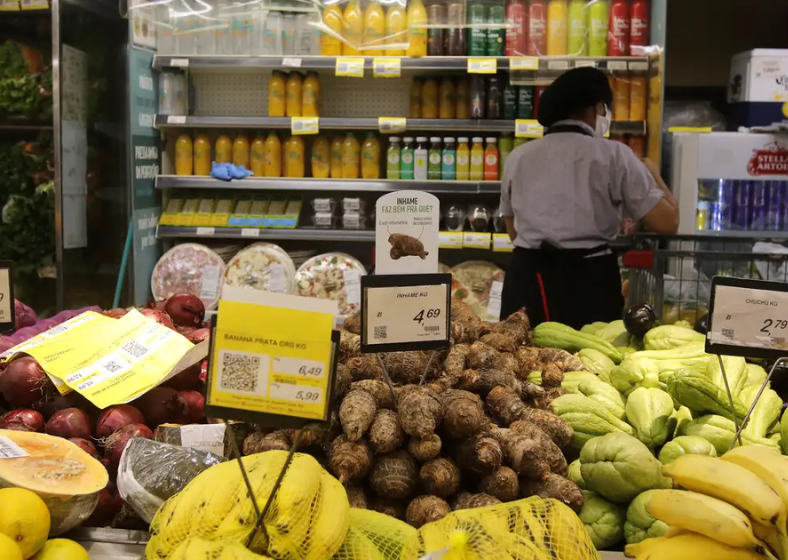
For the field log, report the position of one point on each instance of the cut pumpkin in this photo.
(65, 477)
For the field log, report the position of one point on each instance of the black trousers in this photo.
(569, 286)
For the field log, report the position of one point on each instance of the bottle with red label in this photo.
(536, 42)
(516, 19)
(639, 27)
(618, 33)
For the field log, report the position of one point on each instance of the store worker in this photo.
(563, 197)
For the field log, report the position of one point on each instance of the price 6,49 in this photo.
(307, 395)
(428, 314)
(773, 324)
(315, 371)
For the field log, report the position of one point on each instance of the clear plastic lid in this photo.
(393, 139)
(448, 140)
(473, 282)
(408, 139)
(189, 268)
(462, 139)
(435, 140)
(262, 266)
(333, 276)
(477, 139)
(492, 140)
(421, 138)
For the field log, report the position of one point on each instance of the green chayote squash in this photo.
(767, 410)
(720, 432)
(603, 520)
(607, 396)
(633, 372)
(597, 362)
(649, 412)
(573, 473)
(640, 524)
(682, 416)
(685, 445)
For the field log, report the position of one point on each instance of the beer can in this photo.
(775, 202)
(741, 205)
(721, 207)
(758, 206)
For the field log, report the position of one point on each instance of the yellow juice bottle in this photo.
(446, 99)
(294, 157)
(272, 159)
(477, 160)
(294, 94)
(429, 99)
(354, 29)
(321, 158)
(461, 99)
(223, 153)
(257, 156)
(241, 151)
(336, 158)
(374, 29)
(414, 111)
(557, 16)
(331, 45)
(350, 157)
(396, 30)
(370, 157)
(202, 155)
(463, 160)
(277, 91)
(184, 155)
(417, 35)
(310, 104)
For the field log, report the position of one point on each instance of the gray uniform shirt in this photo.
(569, 189)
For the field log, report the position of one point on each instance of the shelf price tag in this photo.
(205, 231)
(386, 67)
(528, 128)
(7, 309)
(502, 243)
(524, 63)
(250, 232)
(179, 62)
(390, 125)
(35, 4)
(638, 66)
(450, 240)
(558, 65)
(616, 64)
(304, 125)
(9, 5)
(350, 67)
(696, 129)
(585, 63)
(476, 240)
(482, 65)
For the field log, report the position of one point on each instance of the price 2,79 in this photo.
(315, 371)
(774, 324)
(428, 313)
(307, 396)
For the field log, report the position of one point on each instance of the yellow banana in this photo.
(694, 546)
(639, 549)
(729, 482)
(772, 538)
(331, 521)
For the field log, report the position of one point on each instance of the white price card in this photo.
(9, 5)
(524, 63)
(476, 240)
(311, 369)
(352, 286)
(296, 393)
(389, 125)
(558, 65)
(450, 240)
(528, 128)
(616, 64)
(176, 119)
(10, 450)
(206, 231)
(179, 62)
(585, 63)
(638, 66)
(291, 62)
(250, 232)
(494, 304)
(386, 67)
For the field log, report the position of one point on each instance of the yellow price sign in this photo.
(9, 5)
(528, 128)
(482, 65)
(450, 240)
(386, 67)
(524, 63)
(502, 243)
(476, 240)
(304, 125)
(697, 129)
(390, 125)
(350, 67)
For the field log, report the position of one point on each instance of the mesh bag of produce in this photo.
(374, 536)
(532, 528)
(196, 548)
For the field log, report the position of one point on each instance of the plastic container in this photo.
(289, 34)
(184, 155)
(436, 15)
(618, 30)
(557, 15)
(350, 157)
(320, 158)
(353, 31)
(505, 147)
(455, 34)
(434, 159)
(328, 205)
(330, 45)
(310, 96)
(449, 160)
(494, 39)
(577, 41)
(477, 36)
(396, 29)
(277, 94)
(479, 217)
(261, 266)
(294, 164)
(393, 158)
(461, 99)
(621, 97)
(374, 29)
(189, 268)
(454, 217)
(241, 151)
(597, 27)
(509, 101)
(536, 41)
(477, 160)
(202, 155)
(446, 99)
(639, 30)
(429, 99)
(334, 276)
(491, 157)
(478, 96)
(336, 158)
(272, 33)
(414, 109)
(463, 159)
(516, 32)
(294, 94)
(420, 157)
(417, 34)
(224, 149)
(494, 97)
(257, 156)
(407, 158)
(638, 95)
(370, 157)
(272, 166)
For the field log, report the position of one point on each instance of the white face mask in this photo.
(602, 124)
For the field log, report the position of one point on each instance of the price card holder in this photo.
(482, 65)
(696, 129)
(390, 125)
(476, 240)
(350, 67)
(502, 243)
(405, 312)
(304, 125)
(386, 67)
(7, 317)
(528, 128)
(524, 63)
(9, 5)
(450, 239)
(748, 318)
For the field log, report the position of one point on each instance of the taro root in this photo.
(392, 508)
(426, 448)
(558, 429)
(426, 509)
(482, 356)
(463, 413)
(356, 497)
(500, 342)
(419, 410)
(356, 413)
(364, 367)
(483, 381)
(394, 475)
(342, 382)
(524, 454)
(479, 454)
(527, 359)
(440, 477)
(385, 433)
(349, 460)
(552, 375)
(553, 486)
(462, 332)
(466, 500)
(504, 405)
(554, 455)
(502, 484)
(378, 389)
(352, 324)
(464, 313)
(349, 344)
(406, 246)
(456, 359)
(408, 367)
(517, 326)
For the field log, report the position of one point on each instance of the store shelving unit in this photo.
(251, 234)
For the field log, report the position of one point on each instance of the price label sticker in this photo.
(585, 63)
(291, 62)
(10, 450)
(524, 63)
(9, 5)
(450, 240)
(482, 65)
(558, 65)
(179, 62)
(7, 309)
(695, 129)
(304, 125)
(616, 64)
(389, 125)
(176, 119)
(250, 232)
(35, 4)
(206, 231)
(502, 243)
(528, 128)
(494, 303)
(350, 67)
(638, 66)
(386, 67)
(476, 240)
(352, 280)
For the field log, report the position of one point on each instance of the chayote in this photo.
(640, 524)
(606, 395)
(784, 433)
(587, 417)
(682, 416)
(766, 413)
(720, 432)
(574, 378)
(597, 362)
(633, 372)
(735, 371)
(649, 412)
(756, 375)
(685, 445)
(573, 473)
(603, 520)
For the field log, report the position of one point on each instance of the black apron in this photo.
(571, 286)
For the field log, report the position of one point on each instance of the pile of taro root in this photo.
(471, 432)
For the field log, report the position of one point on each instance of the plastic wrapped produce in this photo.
(262, 266)
(151, 472)
(472, 283)
(189, 268)
(454, 217)
(479, 217)
(332, 276)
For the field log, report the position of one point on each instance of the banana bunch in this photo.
(732, 507)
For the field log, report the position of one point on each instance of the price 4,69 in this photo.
(770, 325)
(428, 314)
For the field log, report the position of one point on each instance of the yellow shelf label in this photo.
(502, 243)
(35, 4)
(304, 125)
(9, 5)
(450, 240)
(390, 125)
(476, 240)
(350, 67)
(524, 63)
(528, 128)
(482, 65)
(699, 129)
(386, 67)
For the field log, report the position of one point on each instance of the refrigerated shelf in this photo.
(299, 234)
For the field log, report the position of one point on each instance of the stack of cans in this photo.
(746, 205)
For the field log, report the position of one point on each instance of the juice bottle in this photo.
(538, 91)
(449, 162)
(496, 18)
(184, 155)
(597, 27)
(455, 35)
(618, 32)
(414, 111)
(505, 147)
(478, 97)
(446, 104)
(354, 29)
(393, 158)
(556, 27)
(417, 35)
(536, 41)
(525, 102)
(621, 95)
(257, 156)
(330, 45)
(461, 108)
(639, 27)
(374, 29)
(320, 158)
(477, 36)
(509, 101)
(223, 153)
(407, 158)
(370, 157)
(577, 44)
(241, 151)
(491, 160)
(277, 92)
(420, 158)
(294, 94)
(272, 159)
(336, 158)
(463, 159)
(434, 159)
(638, 93)
(638, 145)
(310, 96)
(350, 157)
(436, 15)
(477, 160)
(294, 157)
(429, 99)
(494, 97)
(516, 18)
(202, 155)
(519, 142)
(396, 29)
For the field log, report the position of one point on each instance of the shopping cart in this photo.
(673, 273)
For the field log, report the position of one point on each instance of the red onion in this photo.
(24, 316)
(195, 401)
(23, 382)
(162, 405)
(117, 442)
(70, 423)
(86, 446)
(115, 313)
(109, 505)
(185, 331)
(159, 316)
(23, 420)
(199, 335)
(115, 417)
(187, 379)
(186, 310)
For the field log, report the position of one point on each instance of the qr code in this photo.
(727, 333)
(381, 333)
(135, 349)
(112, 367)
(239, 372)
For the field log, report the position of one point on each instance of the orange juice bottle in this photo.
(336, 158)
(350, 157)
(321, 158)
(223, 153)
(374, 29)
(429, 99)
(202, 155)
(276, 94)
(417, 35)
(491, 160)
(396, 27)
(621, 95)
(294, 94)
(354, 29)
(557, 16)
(638, 92)
(370, 157)
(257, 156)
(414, 112)
(310, 100)
(241, 151)
(294, 157)
(461, 99)
(184, 155)
(446, 103)
(272, 159)
(330, 45)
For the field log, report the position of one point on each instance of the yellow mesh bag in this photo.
(307, 520)
(530, 529)
(195, 548)
(374, 536)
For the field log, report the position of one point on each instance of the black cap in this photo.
(573, 91)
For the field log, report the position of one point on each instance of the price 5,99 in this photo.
(430, 314)
(307, 395)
